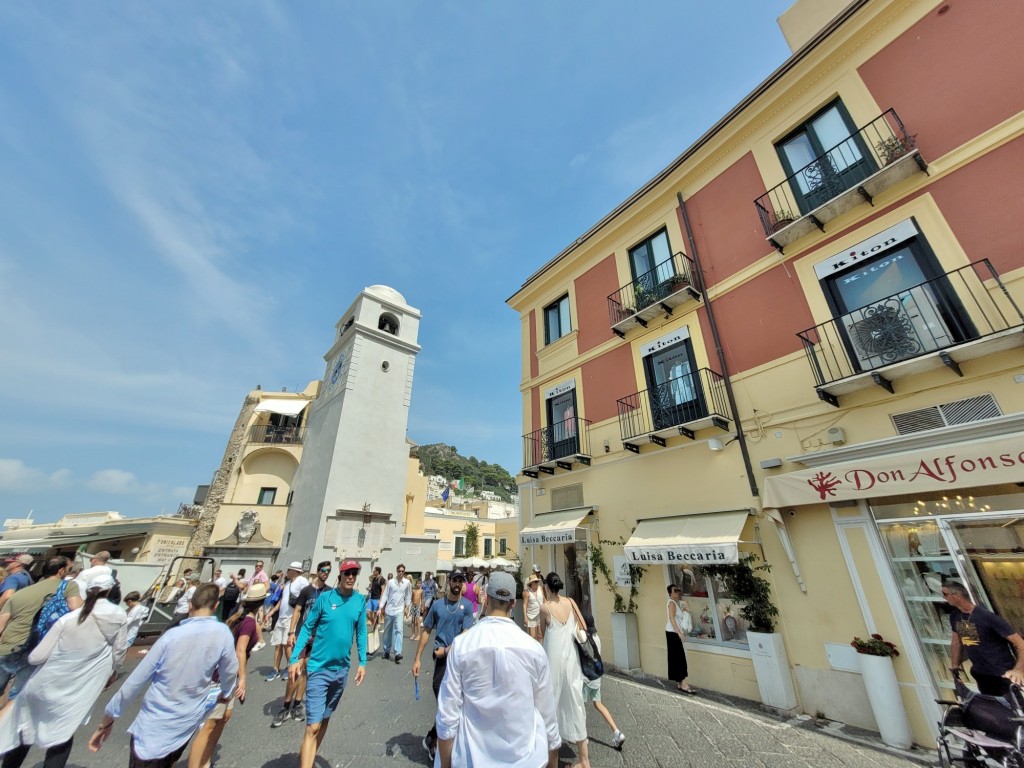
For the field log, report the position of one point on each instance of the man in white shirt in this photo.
(498, 680)
(290, 591)
(98, 567)
(220, 580)
(394, 609)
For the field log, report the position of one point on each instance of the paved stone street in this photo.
(381, 724)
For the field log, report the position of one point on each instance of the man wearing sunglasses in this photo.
(336, 618)
(295, 691)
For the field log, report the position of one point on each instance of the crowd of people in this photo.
(506, 695)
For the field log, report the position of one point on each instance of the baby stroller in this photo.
(978, 730)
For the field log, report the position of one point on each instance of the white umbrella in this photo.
(501, 562)
(470, 562)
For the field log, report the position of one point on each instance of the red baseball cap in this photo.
(347, 565)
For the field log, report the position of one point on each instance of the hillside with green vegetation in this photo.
(441, 459)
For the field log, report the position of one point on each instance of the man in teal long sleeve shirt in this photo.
(331, 624)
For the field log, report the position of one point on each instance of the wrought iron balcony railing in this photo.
(558, 444)
(658, 291)
(940, 314)
(874, 158)
(681, 405)
(268, 433)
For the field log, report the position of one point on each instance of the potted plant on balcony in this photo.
(767, 650)
(783, 218)
(674, 284)
(625, 632)
(644, 296)
(893, 148)
(876, 655)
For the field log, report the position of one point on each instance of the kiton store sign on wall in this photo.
(961, 465)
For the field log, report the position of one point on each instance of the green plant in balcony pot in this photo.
(644, 297)
(893, 148)
(783, 218)
(744, 582)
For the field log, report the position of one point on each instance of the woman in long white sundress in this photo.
(562, 621)
(76, 660)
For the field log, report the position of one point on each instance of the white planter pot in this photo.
(771, 667)
(626, 641)
(886, 701)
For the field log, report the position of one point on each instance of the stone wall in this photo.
(222, 477)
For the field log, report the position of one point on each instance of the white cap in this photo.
(102, 582)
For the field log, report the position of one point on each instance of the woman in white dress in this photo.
(533, 599)
(562, 623)
(77, 659)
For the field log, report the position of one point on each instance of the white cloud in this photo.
(17, 477)
(116, 481)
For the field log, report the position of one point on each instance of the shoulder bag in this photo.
(590, 657)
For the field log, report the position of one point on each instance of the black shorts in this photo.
(167, 761)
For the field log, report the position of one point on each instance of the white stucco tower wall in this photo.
(349, 490)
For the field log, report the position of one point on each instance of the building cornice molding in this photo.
(979, 430)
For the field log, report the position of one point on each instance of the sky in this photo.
(192, 193)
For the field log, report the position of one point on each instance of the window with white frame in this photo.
(488, 546)
(460, 545)
(502, 546)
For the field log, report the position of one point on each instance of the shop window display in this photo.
(978, 541)
(715, 613)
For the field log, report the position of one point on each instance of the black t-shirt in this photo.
(983, 637)
(376, 587)
(308, 596)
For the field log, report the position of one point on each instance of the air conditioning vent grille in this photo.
(947, 414)
(567, 497)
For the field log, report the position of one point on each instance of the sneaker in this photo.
(272, 676)
(618, 739)
(398, 658)
(258, 647)
(387, 656)
(429, 746)
(298, 711)
(281, 717)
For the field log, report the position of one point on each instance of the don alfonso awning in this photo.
(711, 538)
(957, 465)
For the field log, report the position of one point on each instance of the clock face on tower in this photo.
(336, 371)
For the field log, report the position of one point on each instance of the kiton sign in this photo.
(982, 463)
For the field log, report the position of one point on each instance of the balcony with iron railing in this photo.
(268, 433)
(557, 446)
(659, 291)
(858, 169)
(679, 406)
(944, 321)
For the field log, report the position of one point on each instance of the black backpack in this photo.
(231, 593)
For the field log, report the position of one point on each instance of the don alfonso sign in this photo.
(988, 462)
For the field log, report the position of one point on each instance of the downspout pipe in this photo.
(740, 436)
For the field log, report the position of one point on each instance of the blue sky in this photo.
(193, 193)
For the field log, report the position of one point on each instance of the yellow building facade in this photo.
(802, 341)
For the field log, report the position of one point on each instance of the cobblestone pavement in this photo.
(381, 724)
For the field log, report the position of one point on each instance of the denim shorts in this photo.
(15, 666)
(373, 605)
(323, 692)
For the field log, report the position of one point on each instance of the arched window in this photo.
(388, 323)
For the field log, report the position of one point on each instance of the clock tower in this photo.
(348, 494)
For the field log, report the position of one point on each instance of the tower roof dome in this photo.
(386, 293)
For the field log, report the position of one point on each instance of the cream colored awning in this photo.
(943, 468)
(708, 539)
(555, 527)
(283, 407)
